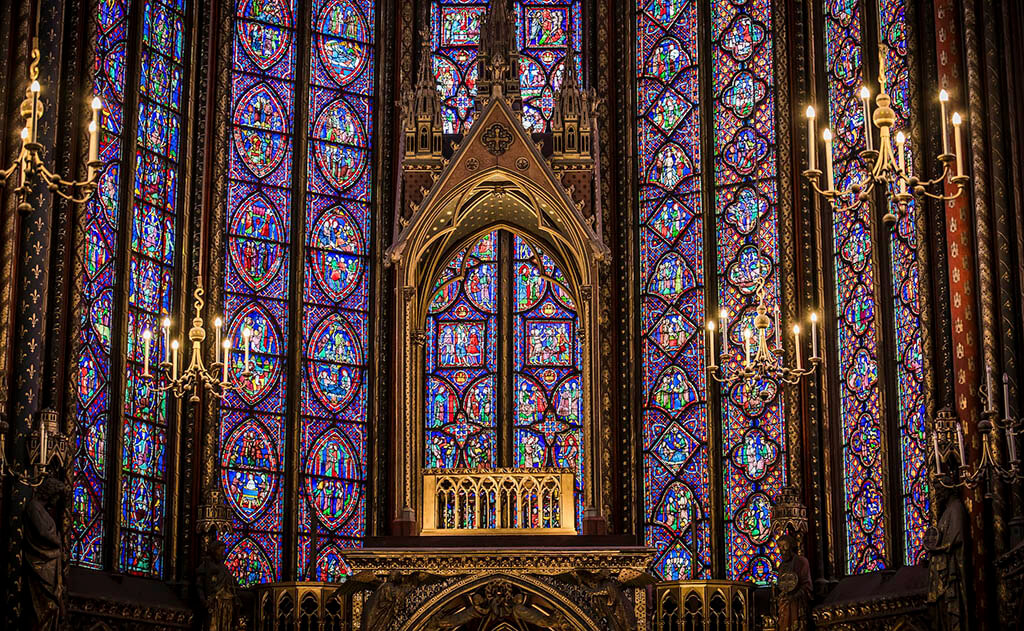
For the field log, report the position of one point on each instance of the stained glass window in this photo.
(100, 220)
(331, 389)
(332, 441)
(905, 278)
(859, 388)
(479, 293)
(256, 284)
(151, 267)
(675, 423)
(154, 111)
(747, 248)
(546, 30)
(462, 363)
(547, 385)
(677, 462)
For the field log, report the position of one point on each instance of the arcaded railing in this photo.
(498, 501)
(708, 605)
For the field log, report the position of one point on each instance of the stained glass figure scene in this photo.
(677, 484)
(546, 31)
(463, 403)
(462, 360)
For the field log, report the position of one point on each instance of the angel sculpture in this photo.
(382, 607)
(607, 595)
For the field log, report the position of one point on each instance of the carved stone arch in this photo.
(494, 596)
(478, 189)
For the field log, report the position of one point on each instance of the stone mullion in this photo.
(979, 170)
(31, 298)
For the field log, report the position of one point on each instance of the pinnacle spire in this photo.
(498, 57)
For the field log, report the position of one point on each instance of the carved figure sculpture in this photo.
(44, 555)
(607, 595)
(216, 588)
(793, 590)
(381, 608)
(947, 590)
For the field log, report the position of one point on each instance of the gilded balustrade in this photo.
(499, 501)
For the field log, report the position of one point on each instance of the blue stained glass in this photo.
(675, 424)
(462, 362)
(100, 220)
(335, 324)
(860, 397)
(753, 429)
(547, 405)
(259, 216)
(905, 277)
(151, 267)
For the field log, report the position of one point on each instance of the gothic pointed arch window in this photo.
(130, 232)
(296, 275)
(503, 342)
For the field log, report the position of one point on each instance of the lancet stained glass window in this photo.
(675, 424)
(121, 304)
(332, 441)
(335, 220)
(546, 31)
(463, 352)
(547, 385)
(747, 247)
(252, 426)
(100, 220)
(859, 388)
(905, 278)
(677, 462)
(150, 272)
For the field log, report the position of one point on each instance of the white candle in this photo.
(167, 339)
(796, 344)
(901, 145)
(711, 344)
(746, 344)
(943, 97)
(227, 355)
(35, 110)
(960, 444)
(174, 360)
(958, 144)
(865, 97)
(247, 336)
(24, 157)
(1011, 444)
(810, 137)
(938, 458)
(216, 348)
(147, 339)
(724, 317)
(827, 135)
(814, 335)
(94, 135)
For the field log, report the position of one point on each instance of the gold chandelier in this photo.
(180, 381)
(762, 360)
(885, 167)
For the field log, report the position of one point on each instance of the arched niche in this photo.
(465, 202)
